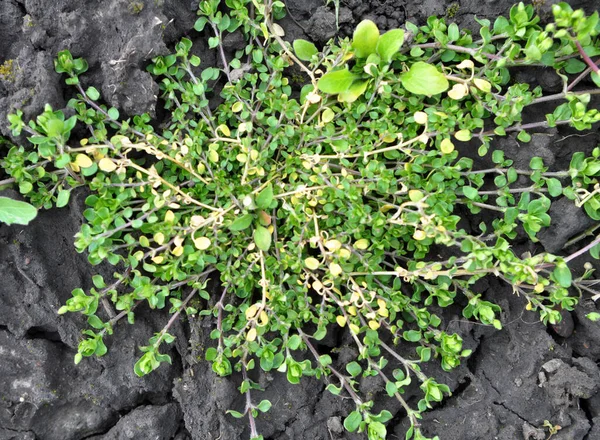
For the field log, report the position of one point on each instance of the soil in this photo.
(515, 380)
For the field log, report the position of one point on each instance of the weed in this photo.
(320, 213)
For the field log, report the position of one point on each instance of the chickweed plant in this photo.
(324, 206)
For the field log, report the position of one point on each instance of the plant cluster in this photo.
(319, 210)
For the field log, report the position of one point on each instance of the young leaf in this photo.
(336, 82)
(469, 192)
(241, 223)
(63, 198)
(365, 38)
(262, 238)
(304, 49)
(562, 274)
(390, 43)
(424, 79)
(356, 89)
(352, 422)
(265, 197)
(14, 211)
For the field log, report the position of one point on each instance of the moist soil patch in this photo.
(515, 380)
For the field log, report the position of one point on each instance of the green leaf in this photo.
(14, 211)
(95, 322)
(470, 193)
(236, 414)
(390, 43)
(523, 136)
(412, 335)
(594, 316)
(336, 82)
(573, 65)
(113, 113)
(304, 50)
(354, 369)
(453, 32)
(92, 93)
(391, 388)
(352, 422)
(262, 238)
(356, 89)
(241, 223)
(562, 274)
(63, 198)
(264, 406)
(265, 197)
(294, 342)
(365, 38)
(554, 187)
(424, 79)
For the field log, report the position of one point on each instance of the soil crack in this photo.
(503, 404)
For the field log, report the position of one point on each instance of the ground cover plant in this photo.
(323, 207)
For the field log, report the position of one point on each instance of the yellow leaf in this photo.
(354, 328)
(446, 146)
(373, 325)
(202, 243)
(341, 320)
(344, 254)
(419, 235)
(327, 115)
(420, 118)
(333, 245)
(483, 85)
(458, 91)
(415, 195)
(278, 30)
(159, 238)
(312, 263)
(362, 244)
(335, 269)
(107, 165)
(317, 285)
(383, 312)
(352, 310)
(177, 251)
(169, 216)
(224, 129)
(83, 161)
(251, 311)
(463, 135)
(466, 64)
(251, 336)
(263, 319)
(237, 107)
(157, 259)
(539, 288)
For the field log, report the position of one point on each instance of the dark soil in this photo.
(515, 380)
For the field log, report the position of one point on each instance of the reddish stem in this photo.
(586, 58)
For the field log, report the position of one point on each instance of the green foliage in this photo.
(327, 212)
(16, 212)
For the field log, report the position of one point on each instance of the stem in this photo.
(175, 316)
(7, 181)
(563, 95)
(249, 406)
(582, 250)
(586, 58)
